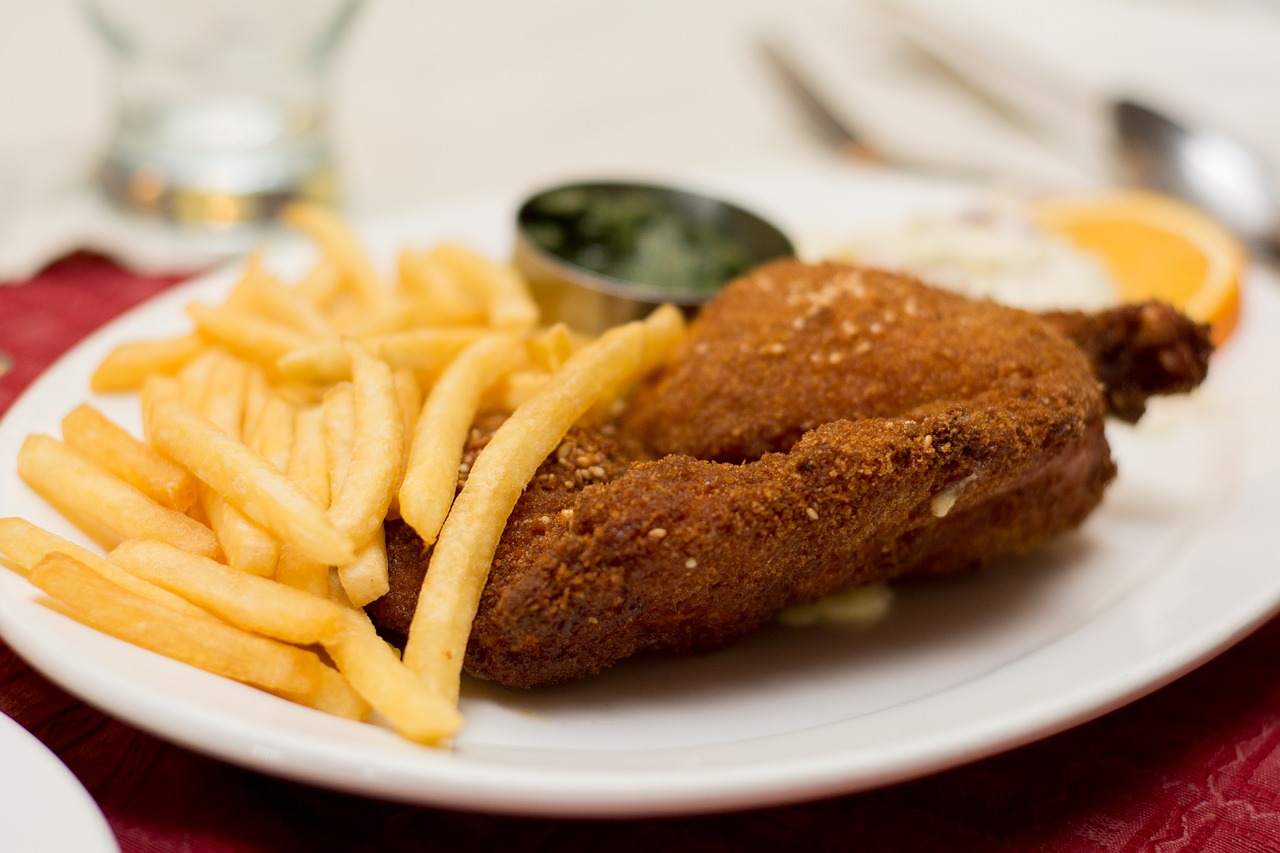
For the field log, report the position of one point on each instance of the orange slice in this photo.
(1156, 247)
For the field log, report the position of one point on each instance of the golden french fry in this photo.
(401, 313)
(515, 388)
(339, 432)
(308, 464)
(247, 335)
(338, 243)
(308, 468)
(157, 388)
(332, 694)
(194, 377)
(374, 669)
(271, 434)
(321, 283)
(208, 644)
(409, 401)
(127, 366)
(229, 386)
(288, 306)
(508, 303)
(248, 482)
(246, 546)
(82, 489)
(223, 403)
(365, 579)
(460, 561)
(296, 569)
(431, 281)
(25, 545)
(431, 475)
(241, 297)
(253, 603)
(415, 349)
(360, 499)
(664, 330)
(257, 392)
(552, 346)
(97, 436)
(319, 363)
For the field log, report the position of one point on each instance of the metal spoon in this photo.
(1205, 167)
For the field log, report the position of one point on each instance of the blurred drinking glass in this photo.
(220, 106)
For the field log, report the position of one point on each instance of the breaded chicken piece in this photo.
(822, 426)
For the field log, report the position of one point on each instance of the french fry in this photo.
(271, 434)
(508, 303)
(288, 306)
(664, 329)
(257, 392)
(339, 432)
(210, 645)
(308, 468)
(253, 603)
(429, 279)
(94, 434)
(415, 349)
(435, 451)
(402, 312)
(247, 546)
(308, 463)
(25, 545)
(338, 243)
(332, 694)
(321, 283)
(127, 366)
(366, 579)
(84, 490)
(460, 561)
(552, 346)
(360, 499)
(409, 401)
(375, 671)
(155, 388)
(248, 482)
(241, 297)
(364, 445)
(223, 403)
(515, 388)
(195, 375)
(247, 335)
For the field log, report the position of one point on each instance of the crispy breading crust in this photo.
(822, 426)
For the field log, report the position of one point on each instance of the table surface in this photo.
(1194, 766)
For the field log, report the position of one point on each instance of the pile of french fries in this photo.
(243, 531)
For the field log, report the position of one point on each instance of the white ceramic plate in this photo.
(1174, 567)
(43, 806)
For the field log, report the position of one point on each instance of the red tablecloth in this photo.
(1195, 766)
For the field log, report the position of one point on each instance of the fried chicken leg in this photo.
(822, 426)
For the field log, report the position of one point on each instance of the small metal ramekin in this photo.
(591, 302)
